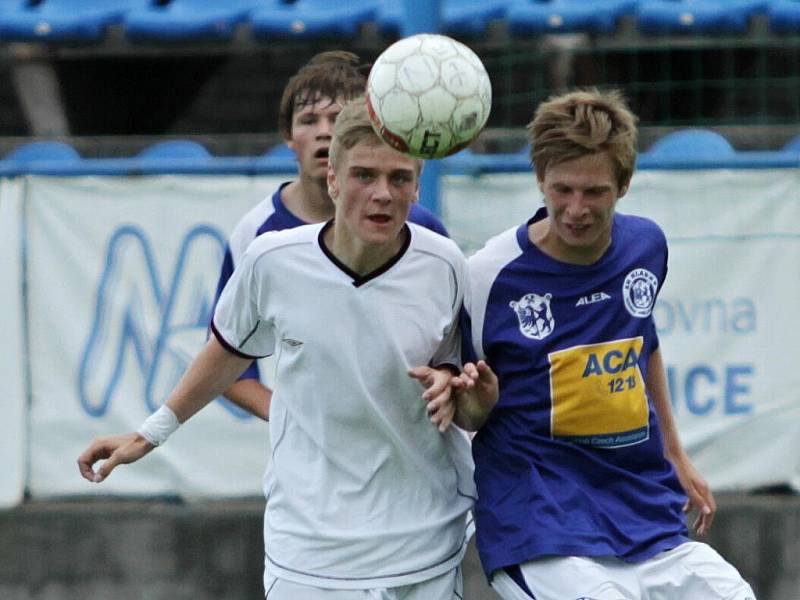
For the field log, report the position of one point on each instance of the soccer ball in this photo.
(428, 95)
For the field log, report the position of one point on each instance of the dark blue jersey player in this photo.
(582, 480)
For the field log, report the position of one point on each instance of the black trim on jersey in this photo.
(359, 280)
(230, 348)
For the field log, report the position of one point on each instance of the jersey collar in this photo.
(359, 280)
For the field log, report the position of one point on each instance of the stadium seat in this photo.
(784, 16)
(459, 17)
(43, 150)
(64, 20)
(793, 145)
(175, 149)
(280, 151)
(692, 144)
(533, 17)
(190, 19)
(697, 16)
(309, 18)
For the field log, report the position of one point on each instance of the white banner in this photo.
(726, 316)
(13, 402)
(122, 274)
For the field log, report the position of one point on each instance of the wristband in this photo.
(159, 426)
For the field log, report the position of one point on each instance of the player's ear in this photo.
(333, 185)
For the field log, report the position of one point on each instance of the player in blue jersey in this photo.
(582, 480)
(310, 103)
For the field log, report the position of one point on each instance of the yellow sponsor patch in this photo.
(598, 394)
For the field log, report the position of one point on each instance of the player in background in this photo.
(310, 103)
(579, 468)
(368, 490)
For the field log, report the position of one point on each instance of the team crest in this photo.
(534, 315)
(639, 292)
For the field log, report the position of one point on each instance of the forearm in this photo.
(658, 392)
(211, 373)
(251, 395)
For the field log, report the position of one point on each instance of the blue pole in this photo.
(425, 16)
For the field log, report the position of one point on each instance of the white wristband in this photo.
(159, 426)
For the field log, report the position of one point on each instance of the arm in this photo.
(696, 488)
(252, 396)
(210, 373)
(477, 391)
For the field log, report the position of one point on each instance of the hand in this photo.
(116, 450)
(438, 395)
(477, 391)
(698, 494)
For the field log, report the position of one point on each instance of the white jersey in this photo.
(363, 491)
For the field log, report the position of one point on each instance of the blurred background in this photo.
(135, 133)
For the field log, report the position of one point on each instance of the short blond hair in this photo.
(577, 123)
(352, 127)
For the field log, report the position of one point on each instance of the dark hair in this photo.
(334, 74)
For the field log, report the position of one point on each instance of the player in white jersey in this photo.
(309, 105)
(366, 496)
(581, 476)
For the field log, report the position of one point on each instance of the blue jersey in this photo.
(272, 215)
(571, 461)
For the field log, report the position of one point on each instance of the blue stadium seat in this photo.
(793, 145)
(692, 144)
(309, 18)
(43, 150)
(533, 17)
(697, 16)
(64, 20)
(459, 17)
(280, 151)
(784, 16)
(189, 19)
(175, 149)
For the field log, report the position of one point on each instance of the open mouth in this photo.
(380, 219)
(321, 153)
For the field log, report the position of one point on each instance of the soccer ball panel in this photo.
(382, 80)
(459, 77)
(436, 106)
(417, 73)
(403, 109)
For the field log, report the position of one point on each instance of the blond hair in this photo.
(352, 127)
(572, 125)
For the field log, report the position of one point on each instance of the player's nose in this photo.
(381, 191)
(325, 128)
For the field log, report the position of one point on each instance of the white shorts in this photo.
(448, 586)
(692, 571)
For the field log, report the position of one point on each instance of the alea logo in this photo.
(144, 334)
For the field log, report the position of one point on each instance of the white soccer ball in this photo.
(428, 95)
